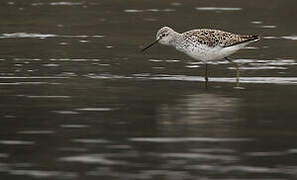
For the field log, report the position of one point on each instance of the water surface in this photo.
(79, 101)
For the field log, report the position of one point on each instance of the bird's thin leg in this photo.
(206, 75)
(237, 70)
(237, 74)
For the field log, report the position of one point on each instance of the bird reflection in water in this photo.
(209, 110)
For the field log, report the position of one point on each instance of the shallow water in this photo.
(79, 101)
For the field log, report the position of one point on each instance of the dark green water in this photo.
(79, 101)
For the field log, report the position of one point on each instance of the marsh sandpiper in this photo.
(205, 44)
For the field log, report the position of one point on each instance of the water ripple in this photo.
(217, 150)
(33, 77)
(4, 155)
(48, 97)
(290, 37)
(268, 26)
(92, 159)
(36, 132)
(66, 112)
(75, 59)
(74, 126)
(250, 80)
(61, 3)
(65, 3)
(218, 9)
(43, 174)
(94, 109)
(148, 10)
(293, 37)
(186, 139)
(43, 36)
(26, 83)
(91, 141)
(225, 169)
(292, 151)
(200, 156)
(262, 154)
(16, 142)
(260, 68)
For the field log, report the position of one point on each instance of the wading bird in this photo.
(205, 44)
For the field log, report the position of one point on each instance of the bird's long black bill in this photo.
(153, 43)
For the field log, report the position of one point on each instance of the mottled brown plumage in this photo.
(212, 38)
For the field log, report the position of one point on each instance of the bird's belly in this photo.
(210, 53)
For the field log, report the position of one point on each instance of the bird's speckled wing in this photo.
(212, 37)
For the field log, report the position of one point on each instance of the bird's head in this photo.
(164, 36)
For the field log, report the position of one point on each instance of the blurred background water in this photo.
(79, 101)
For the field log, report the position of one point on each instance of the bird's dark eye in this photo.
(163, 35)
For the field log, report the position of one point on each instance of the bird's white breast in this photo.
(205, 53)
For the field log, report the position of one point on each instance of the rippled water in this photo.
(79, 101)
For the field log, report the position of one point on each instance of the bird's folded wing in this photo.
(213, 38)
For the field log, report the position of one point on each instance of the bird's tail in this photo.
(251, 37)
(256, 37)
